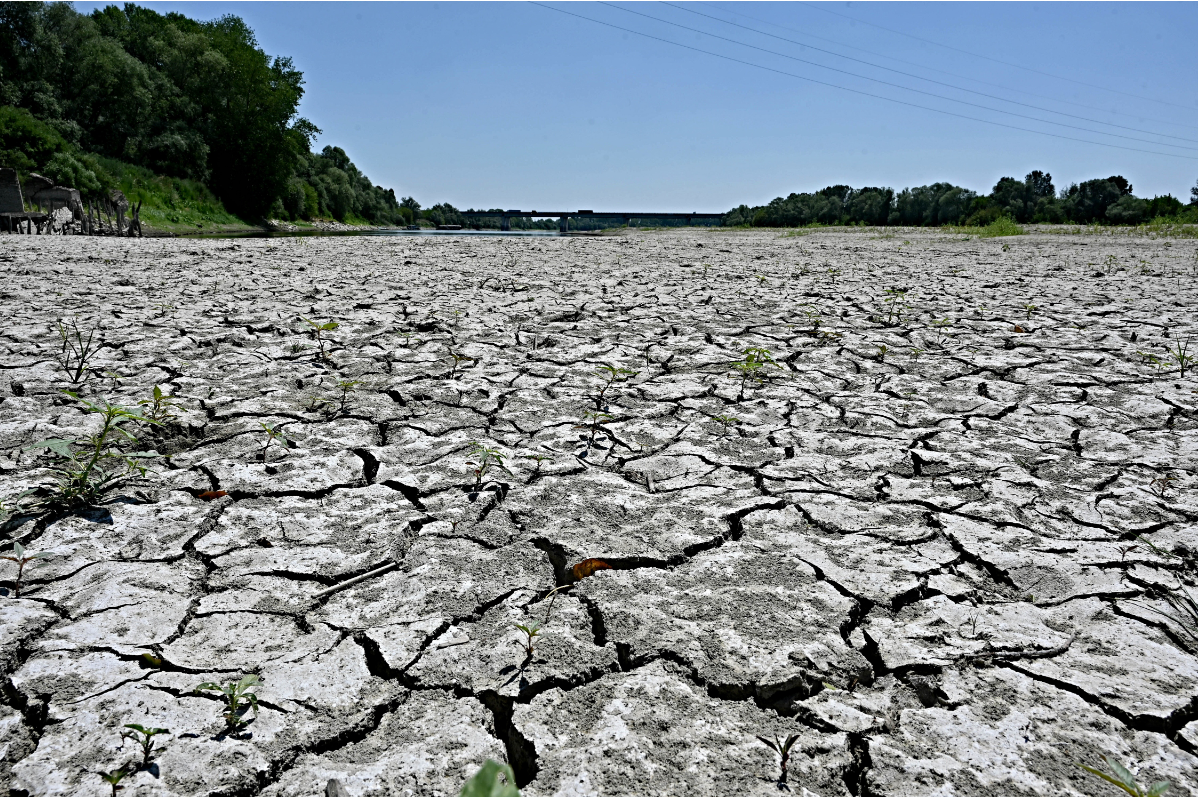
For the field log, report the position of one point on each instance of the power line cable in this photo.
(1139, 117)
(1189, 139)
(897, 85)
(995, 60)
(856, 91)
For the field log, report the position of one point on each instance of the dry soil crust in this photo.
(915, 547)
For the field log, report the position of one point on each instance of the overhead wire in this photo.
(855, 91)
(989, 58)
(896, 85)
(807, 34)
(931, 80)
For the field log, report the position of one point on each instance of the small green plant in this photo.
(894, 307)
(143, 737)
(160, 405)
(532, 630)
(726, 421)
(1179, 356)
(317, 329)
(1124, 780)
(19, 556)
(882, 351)
(76, 352)
(783, 747)
(84, 468)
(484, 459)
(457, 358)
(1160, 485)
(239, 699)
(492, 780)
(274, 433)
(114, 778)
(592, 422)
(346, 387)
(611, 375)
(1030, 309)
(538, 459)
(752, 366)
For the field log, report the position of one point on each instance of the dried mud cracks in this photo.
(920, 559)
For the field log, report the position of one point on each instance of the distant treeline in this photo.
(192, 101)
(1033, 200)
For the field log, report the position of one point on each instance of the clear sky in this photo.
(518, 105)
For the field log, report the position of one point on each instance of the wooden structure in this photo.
(105, 216)
(13, 216)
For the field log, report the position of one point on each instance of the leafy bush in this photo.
(65, 169)
(27, 144)
(1127, 210)
(1001, 226)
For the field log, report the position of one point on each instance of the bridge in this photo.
(565, 216)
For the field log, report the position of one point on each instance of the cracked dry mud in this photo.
(923, 561)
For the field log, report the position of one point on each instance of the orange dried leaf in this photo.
(1018, 328)
(212, 495)
(589, 566)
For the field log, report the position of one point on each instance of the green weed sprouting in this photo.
(160, 405)
(317, 329)
(484, 459)
(84, 469)
(1030, 309)
(783, 747)
(611, 375)
(76, 352)
(143, 737)
(274, 433)
(18, 556)
(538, 459)
(113, 778)
(894, 307)
(1180, 358)
(726, 421)
(492, 780)
(531, 631)
(458, 358)
(592, 422)
(1124, 780)
(239, 698)
(814, 317)
(345, 386)
(1160, 485)
(757, 358)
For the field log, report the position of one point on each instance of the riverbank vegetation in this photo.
(1107, 201)
(102, 100)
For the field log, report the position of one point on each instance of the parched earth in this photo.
(944, 533)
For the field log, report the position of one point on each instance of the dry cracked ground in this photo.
(944, 535)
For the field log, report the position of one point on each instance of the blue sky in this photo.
(520, 106)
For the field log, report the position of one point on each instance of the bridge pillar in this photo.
(564, 224)
(504, 225)
(628, 222)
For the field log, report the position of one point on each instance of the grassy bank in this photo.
(173, 204)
